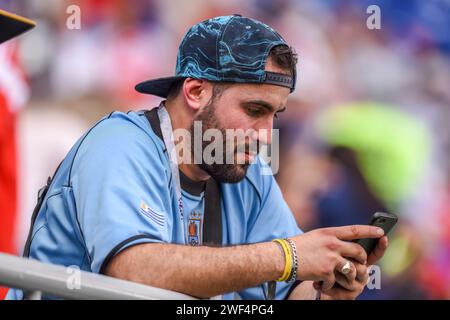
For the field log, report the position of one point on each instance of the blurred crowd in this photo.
(366, 130)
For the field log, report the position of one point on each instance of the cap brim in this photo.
(159, 87)
(11, 25)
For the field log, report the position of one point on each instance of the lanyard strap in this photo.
(212, 230)
(167, 134)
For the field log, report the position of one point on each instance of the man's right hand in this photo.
(322, 252)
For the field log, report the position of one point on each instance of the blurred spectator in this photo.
(13, 95)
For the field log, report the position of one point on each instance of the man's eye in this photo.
(254, 112)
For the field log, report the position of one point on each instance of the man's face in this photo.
(245, 107)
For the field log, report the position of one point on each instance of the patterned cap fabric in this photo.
(224, 49)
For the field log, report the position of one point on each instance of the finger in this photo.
(345, 282)
(379, 251)
(337, 293)
(361, 272)
(354, 251)
(328, 283)
(357, 232)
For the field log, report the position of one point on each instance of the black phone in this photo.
(385, 221)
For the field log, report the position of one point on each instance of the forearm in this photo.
(199, 271)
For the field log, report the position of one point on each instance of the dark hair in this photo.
(282, 55)
(175, 88)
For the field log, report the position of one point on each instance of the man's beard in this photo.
(221, 172)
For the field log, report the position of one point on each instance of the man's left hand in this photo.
(350, 286)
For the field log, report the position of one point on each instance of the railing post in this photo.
(36, 278)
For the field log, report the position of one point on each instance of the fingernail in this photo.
(380, 231)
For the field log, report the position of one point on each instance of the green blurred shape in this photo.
(392, 147)
(398, 258)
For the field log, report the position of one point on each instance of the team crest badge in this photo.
(195, 227)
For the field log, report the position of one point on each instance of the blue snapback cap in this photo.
(224, 49)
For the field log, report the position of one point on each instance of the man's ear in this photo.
(197, 92)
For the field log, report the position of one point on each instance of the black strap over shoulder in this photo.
(212, 224)
(41, 195)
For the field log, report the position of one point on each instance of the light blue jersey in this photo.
(114, 189)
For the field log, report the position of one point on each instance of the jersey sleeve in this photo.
(121, 190)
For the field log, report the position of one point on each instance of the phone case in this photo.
(384, 220)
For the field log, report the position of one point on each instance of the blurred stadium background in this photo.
(367, 129)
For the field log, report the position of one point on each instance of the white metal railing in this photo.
(36, 278)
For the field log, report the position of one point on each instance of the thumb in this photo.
(317, 285)
(328, 283)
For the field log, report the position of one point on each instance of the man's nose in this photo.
(263, 133)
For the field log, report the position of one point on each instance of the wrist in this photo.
(280, 260)
(290, 259)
